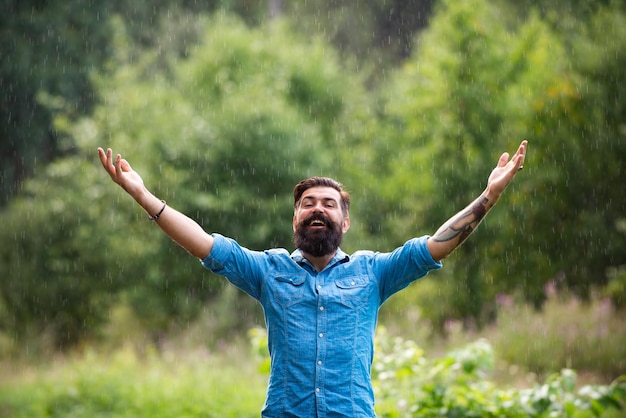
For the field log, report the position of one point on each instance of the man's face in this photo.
(318, 221)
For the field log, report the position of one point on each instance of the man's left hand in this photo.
(506, 170)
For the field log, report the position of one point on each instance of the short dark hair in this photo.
(305, 184)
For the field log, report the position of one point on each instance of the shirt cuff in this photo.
(423, 256)
(214, 261)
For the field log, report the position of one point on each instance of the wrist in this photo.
(491, 196)
(149, 202)
(158, 214)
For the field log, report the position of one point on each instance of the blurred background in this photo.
(222, 106)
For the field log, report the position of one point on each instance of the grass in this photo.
(587, 337)
(131, 384)
(184, 379)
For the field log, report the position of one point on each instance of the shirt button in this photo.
(317, 390)
(321, 308)
(319, 362)
(319, 286)
(352, 283)
(321, 335)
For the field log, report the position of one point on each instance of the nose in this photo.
(319, 207)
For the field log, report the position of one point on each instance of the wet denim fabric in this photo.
(320, 324)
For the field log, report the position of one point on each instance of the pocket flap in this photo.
(351, 282)
(295, 280)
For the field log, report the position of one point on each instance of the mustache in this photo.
(317, 217)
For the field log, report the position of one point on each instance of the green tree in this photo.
(56, 283)
(43, 48)
(449, 109)
(48, 50)
(222, 136)
(384, 33)
(477, 85)
(578, 122)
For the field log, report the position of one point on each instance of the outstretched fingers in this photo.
(121, 172)
(116, 167)
(517, 161)
(504, 159)
(105, 159)
(125, 165)
(520, 155)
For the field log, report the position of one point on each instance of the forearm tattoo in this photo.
(464, 223)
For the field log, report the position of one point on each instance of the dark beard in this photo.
(318, 242)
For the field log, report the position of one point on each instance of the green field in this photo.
(522, 367)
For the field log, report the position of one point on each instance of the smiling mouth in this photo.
(317, 222)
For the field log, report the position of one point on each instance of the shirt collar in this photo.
(340, 257)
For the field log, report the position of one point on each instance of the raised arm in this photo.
(456, 230)
(180, 228)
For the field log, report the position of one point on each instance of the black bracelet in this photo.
(155, 217)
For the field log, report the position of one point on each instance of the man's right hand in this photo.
(182, 229)
(122, 173)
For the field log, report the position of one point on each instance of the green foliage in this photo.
(49, 50)
(457, 385)
(408, 384)
(198, 384)
(477, 85)
(588, 337)
(616, 288)
(578, 127)
(55, 281)
(222, 136)
(131, 384)
(41, 44)
(453, 105)
(384, 33)
(258, 341)
(222, 119)
(191, 382)
(194, 384)
(230, 131)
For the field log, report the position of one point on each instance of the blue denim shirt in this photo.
(320, 324)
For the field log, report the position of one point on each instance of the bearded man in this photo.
(320, 304)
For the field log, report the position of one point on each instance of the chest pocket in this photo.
(288, 289)
(353, 291)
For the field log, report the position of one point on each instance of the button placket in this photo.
(321, 319)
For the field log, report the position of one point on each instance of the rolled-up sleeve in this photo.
(404, 265)
(241, 266)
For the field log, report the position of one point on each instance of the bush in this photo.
(456, 385)
(588, 336)
(179, 383)
(408, 384)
